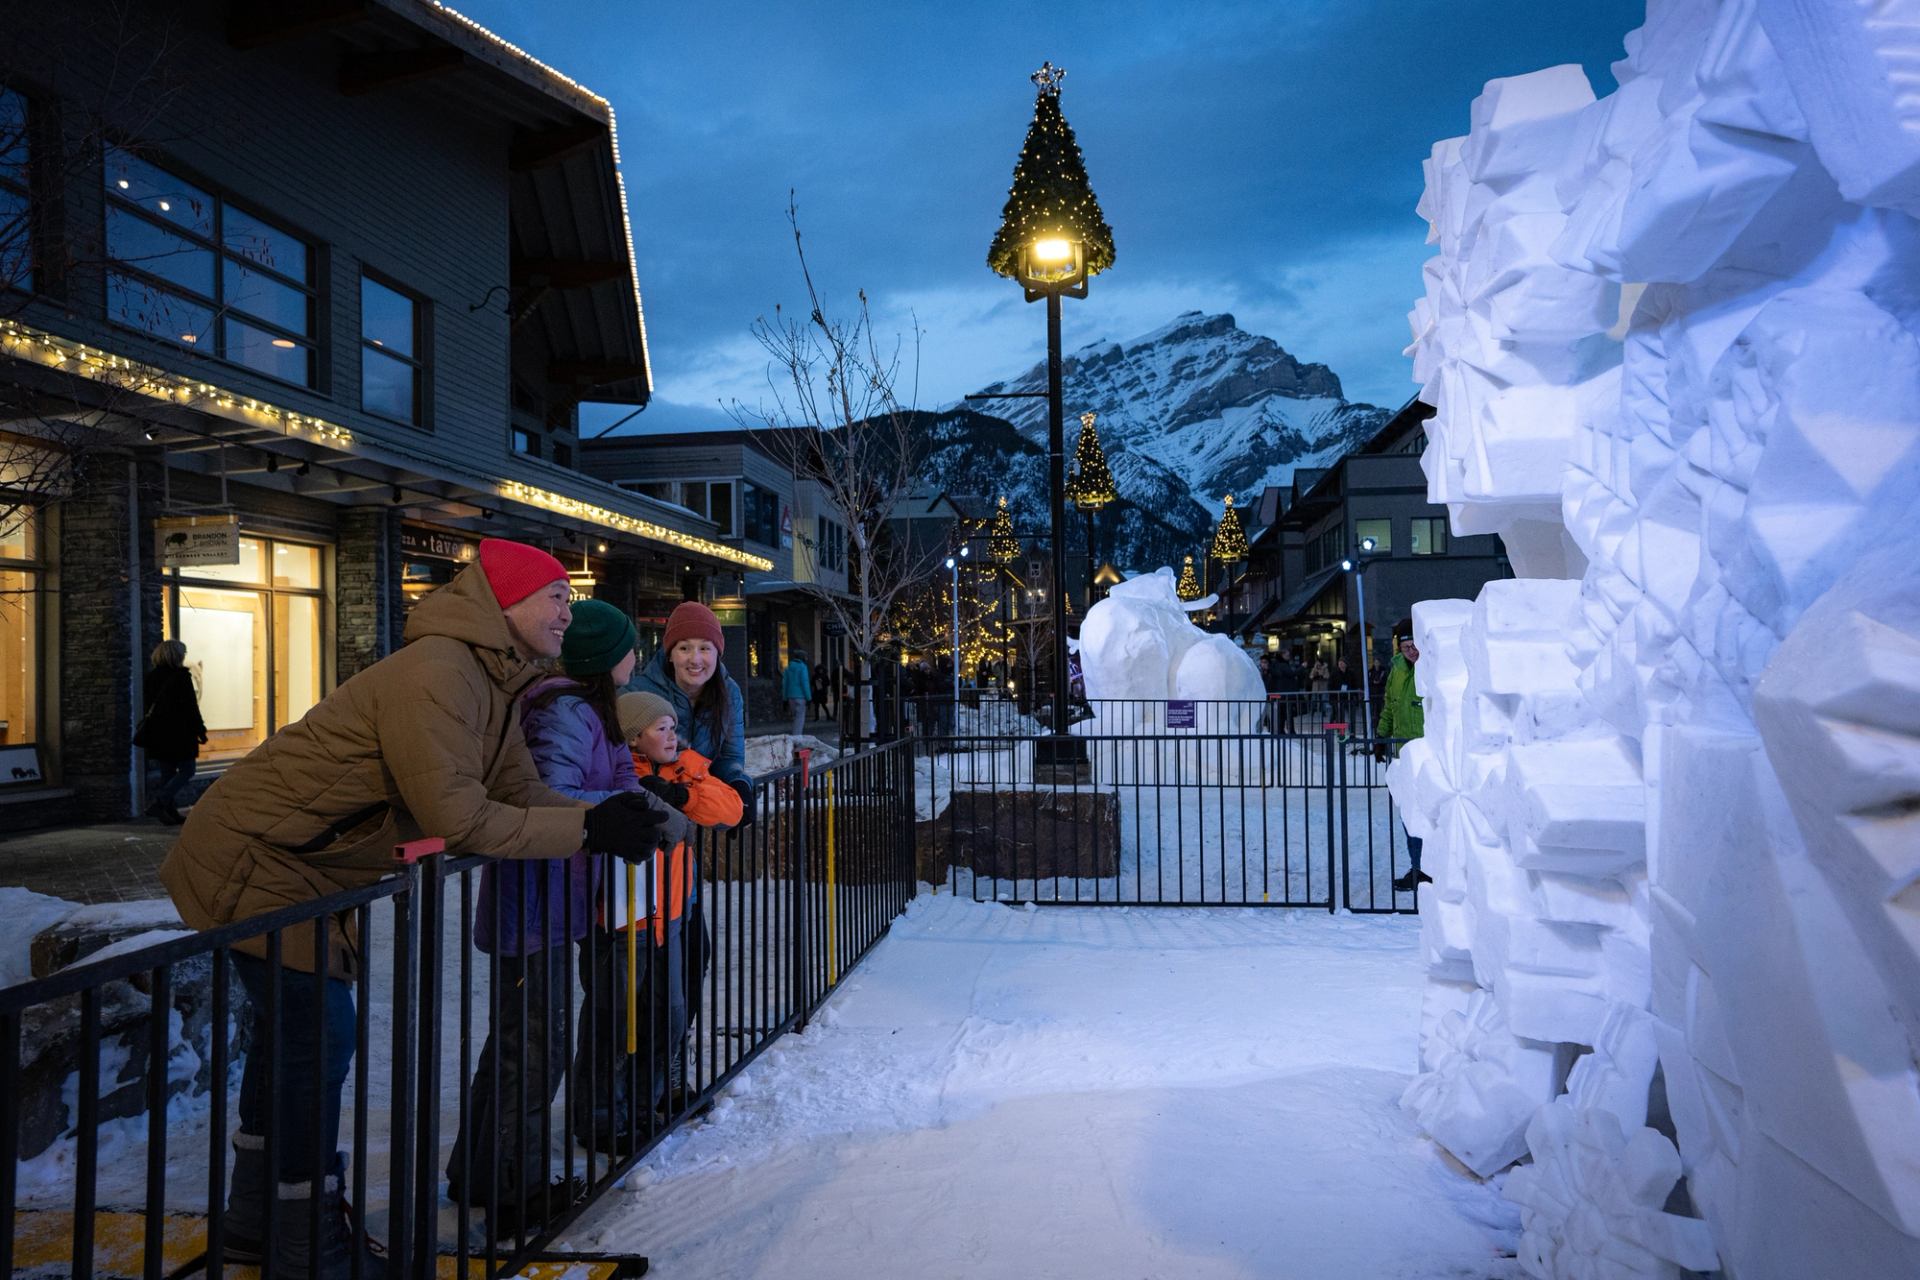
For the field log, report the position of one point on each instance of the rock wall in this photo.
(1671, 780)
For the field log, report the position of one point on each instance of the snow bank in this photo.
(1669, 779)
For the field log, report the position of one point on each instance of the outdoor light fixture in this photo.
(953, 565)
(1053, 265)
(1358, 567)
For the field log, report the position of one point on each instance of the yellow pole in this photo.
(633, 959)
(833, 967)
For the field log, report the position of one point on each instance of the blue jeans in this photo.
(304, 1086)
(1413, 852)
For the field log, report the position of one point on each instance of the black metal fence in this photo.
(1154, 803)
(559, 1066)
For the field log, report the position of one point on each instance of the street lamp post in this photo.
(953, 564)
(1052, 239)
(1357, 566)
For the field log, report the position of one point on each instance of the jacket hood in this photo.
(465, 610)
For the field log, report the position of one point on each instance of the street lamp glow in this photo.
(1347, 566)
(949, 562)
(1052, 251)
(1366, 545)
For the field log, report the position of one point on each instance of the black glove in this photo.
(625, 825)
(1381, 754)
(674, 793)
(745, 790)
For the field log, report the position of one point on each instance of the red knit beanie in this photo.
(515, 570)
(692, 620)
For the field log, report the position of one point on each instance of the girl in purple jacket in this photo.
(528, 912)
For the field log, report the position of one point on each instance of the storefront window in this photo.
(19, 642)
(253, 636)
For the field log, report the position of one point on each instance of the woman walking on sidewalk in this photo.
(171, 730)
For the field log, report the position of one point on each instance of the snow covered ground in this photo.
(1060, 1092)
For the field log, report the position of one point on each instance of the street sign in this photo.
(1180, 714)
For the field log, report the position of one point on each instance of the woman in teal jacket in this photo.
(796, 686)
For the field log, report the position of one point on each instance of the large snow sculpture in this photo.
(1138, 643)
(1671, 786)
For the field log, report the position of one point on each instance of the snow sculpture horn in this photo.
(1670, 774)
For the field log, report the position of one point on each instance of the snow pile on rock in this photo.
(1671, 773)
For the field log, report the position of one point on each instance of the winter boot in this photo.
(1411, 881)
(246, 1220)
(297, 1250)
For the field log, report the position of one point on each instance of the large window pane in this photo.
(387, 386)
(139, 243)
(266, 299)
(159, 192)
(16, 241)
(387, 317)
(296, 667)
(19, 536)
(1381, 531)
(19, 657)
(251, 569)
(13, 136)
(226, 637)
(167, 315)
(1428, 536)
(295, 565)
(270, 353)
(264, 243)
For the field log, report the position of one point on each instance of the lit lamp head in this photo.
(1053, 263)
(1366, 546)
(1346, 566)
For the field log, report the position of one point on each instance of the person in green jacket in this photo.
(1403, 715)
(796, 686)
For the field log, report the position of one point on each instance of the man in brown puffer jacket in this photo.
(425, 742)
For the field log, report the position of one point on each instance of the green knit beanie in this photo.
(599, 636)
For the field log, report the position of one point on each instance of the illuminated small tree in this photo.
(1188, 588)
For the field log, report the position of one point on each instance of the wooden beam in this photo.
(565, 273)
(593, 373)
(254, 25)
(535, 149)
(363, 73)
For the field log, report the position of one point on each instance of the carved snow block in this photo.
(1516, 645)
(1853, 69)
(1576, 807)
(1523, 124)
(1483, 1086)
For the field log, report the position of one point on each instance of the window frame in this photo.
(28, 280)
(1437, 534)
(225, 259)
(1382, 546)
(420, 362)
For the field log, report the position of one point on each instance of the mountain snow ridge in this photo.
(1188, 412)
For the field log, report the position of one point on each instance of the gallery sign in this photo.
(188, 541)
(1180, 714)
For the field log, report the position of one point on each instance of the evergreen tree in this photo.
(1050, 193)
(1092, 487)
(1003, 545)
(1229, 540)
(1188, 588)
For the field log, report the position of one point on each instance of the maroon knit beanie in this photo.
(515, 570)
(692, 620)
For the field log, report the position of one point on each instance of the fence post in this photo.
(406, 1031)
(9, 1132)
(1337, 760)
(801, 985)
(431, 886)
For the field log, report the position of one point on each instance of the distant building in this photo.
(317, 307)
(1293, 593)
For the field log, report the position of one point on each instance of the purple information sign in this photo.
(1180, 714)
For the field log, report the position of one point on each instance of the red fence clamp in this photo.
(414, 850)
(806, 764)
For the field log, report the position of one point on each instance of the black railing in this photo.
(602, 1041)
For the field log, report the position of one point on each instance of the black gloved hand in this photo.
(624, 825)
(745, 789)
(674, 793)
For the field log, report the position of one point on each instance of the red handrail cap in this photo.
(414, 850)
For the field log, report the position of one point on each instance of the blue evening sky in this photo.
(1254, 156)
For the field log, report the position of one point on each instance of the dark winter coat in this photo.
(548, 904)
(425, 742)
(726, 748)
(171, 727)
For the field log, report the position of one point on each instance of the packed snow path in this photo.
(1068, 1092)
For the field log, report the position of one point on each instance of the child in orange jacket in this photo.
(669, 970)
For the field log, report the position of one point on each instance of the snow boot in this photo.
(246, 1220)
(543, 1205)
(296, 1250)
(1411, 881)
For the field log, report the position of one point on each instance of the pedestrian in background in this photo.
(796, 686)
(1403, 715)
(171, 731)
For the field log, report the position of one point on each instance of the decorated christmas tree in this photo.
(1050, 195)
(1188, 588)
(1003, 545)
(1229, 539)
(1092, 486)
